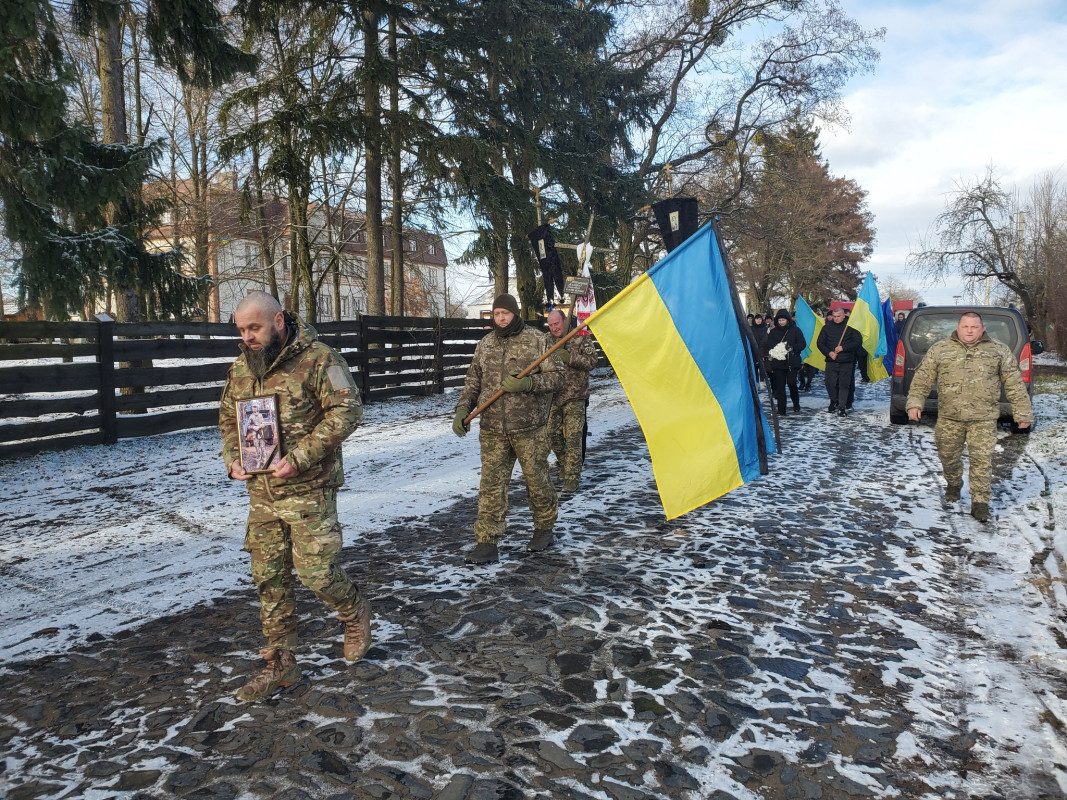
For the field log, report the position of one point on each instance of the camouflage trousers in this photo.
(499, 453)
(566, 427)
(300, 532)
(980, 438)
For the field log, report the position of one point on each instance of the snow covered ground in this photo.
(98, 540)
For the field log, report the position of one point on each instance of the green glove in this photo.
(513, 384)
(564, 355)
(458, 427)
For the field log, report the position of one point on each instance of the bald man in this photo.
(292, 518)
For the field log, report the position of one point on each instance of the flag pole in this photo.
(748, 337)
(500, 392)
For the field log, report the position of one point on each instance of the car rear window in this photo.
(929, 329)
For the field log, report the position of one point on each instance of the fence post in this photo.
(439, 358)
(364, 360)
(105, 358)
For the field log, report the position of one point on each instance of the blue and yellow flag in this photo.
(866, 318)
(889, 325)
(674, 340)
(810, 324)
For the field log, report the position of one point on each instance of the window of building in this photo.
(432, 249)
(412, 245)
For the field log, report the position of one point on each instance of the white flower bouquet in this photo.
(779, 352)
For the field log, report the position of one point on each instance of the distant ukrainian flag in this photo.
(810, 324)
(674, 340)
(866, 318)
(889, 325)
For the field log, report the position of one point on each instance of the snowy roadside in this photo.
(95, 539)
(847, 584)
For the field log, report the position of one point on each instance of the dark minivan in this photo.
(927, 325)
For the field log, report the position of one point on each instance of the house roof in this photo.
(231, 217)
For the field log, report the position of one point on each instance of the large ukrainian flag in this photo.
(866, 318)
(810, 324)
(674, 340)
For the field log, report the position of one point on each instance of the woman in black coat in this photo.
(784, 370)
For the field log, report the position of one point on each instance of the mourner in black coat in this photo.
(784, 371)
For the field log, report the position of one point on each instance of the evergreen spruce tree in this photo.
(532, 103)
(71, 201)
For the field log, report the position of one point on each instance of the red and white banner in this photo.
(584, 306)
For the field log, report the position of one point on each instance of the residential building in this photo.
(237, 254)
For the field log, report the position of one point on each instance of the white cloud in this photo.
(960, 86)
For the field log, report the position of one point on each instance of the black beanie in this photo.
(508, 302)
(783, 314)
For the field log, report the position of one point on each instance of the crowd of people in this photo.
(780, 345)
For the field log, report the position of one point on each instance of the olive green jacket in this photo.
(318, 408)
(969, 379)
(496, 357)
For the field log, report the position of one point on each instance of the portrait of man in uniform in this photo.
(258, 420)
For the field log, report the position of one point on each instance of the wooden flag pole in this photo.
(500, 392)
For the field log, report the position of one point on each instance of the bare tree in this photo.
(721, 87)
(898, 290)
(979, 237)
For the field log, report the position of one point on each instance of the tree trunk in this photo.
(372, 111)
(300, 253)
(263, 225)
(396, 154)
(627, 257)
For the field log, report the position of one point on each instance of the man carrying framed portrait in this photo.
(288, 404)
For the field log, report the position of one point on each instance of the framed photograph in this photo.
(257, 425)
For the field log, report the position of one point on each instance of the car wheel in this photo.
(897, 418)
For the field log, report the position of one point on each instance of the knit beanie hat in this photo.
(508, 302)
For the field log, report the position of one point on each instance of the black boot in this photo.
(482, 553)
(541, 540)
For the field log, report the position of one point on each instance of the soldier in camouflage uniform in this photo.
(969, 369)
(514, 427)
(566, 423)
(292, 519)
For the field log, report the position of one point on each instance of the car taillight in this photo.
(1024, 363)
(898, 361)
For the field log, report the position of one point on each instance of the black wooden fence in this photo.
(61, 383)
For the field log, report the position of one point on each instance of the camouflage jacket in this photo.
(576, 371)
(968, 379)
(494, 358)
(318, 408)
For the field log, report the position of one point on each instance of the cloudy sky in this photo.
(961, 85)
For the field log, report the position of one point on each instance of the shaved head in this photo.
(259, 301)
(557, 322)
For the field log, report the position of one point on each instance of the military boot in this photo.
(952, 493)
(482, 553)
(357, 632)
(980, 511)
(541, 540)
(281, 671)
(569, 487)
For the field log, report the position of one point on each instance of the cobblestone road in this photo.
(765, 646)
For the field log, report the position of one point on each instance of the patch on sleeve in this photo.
(340, 378)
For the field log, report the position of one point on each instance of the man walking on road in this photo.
(566, 423)
(969, 369)
(292, 518)
(839, 343)
(513, 427)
